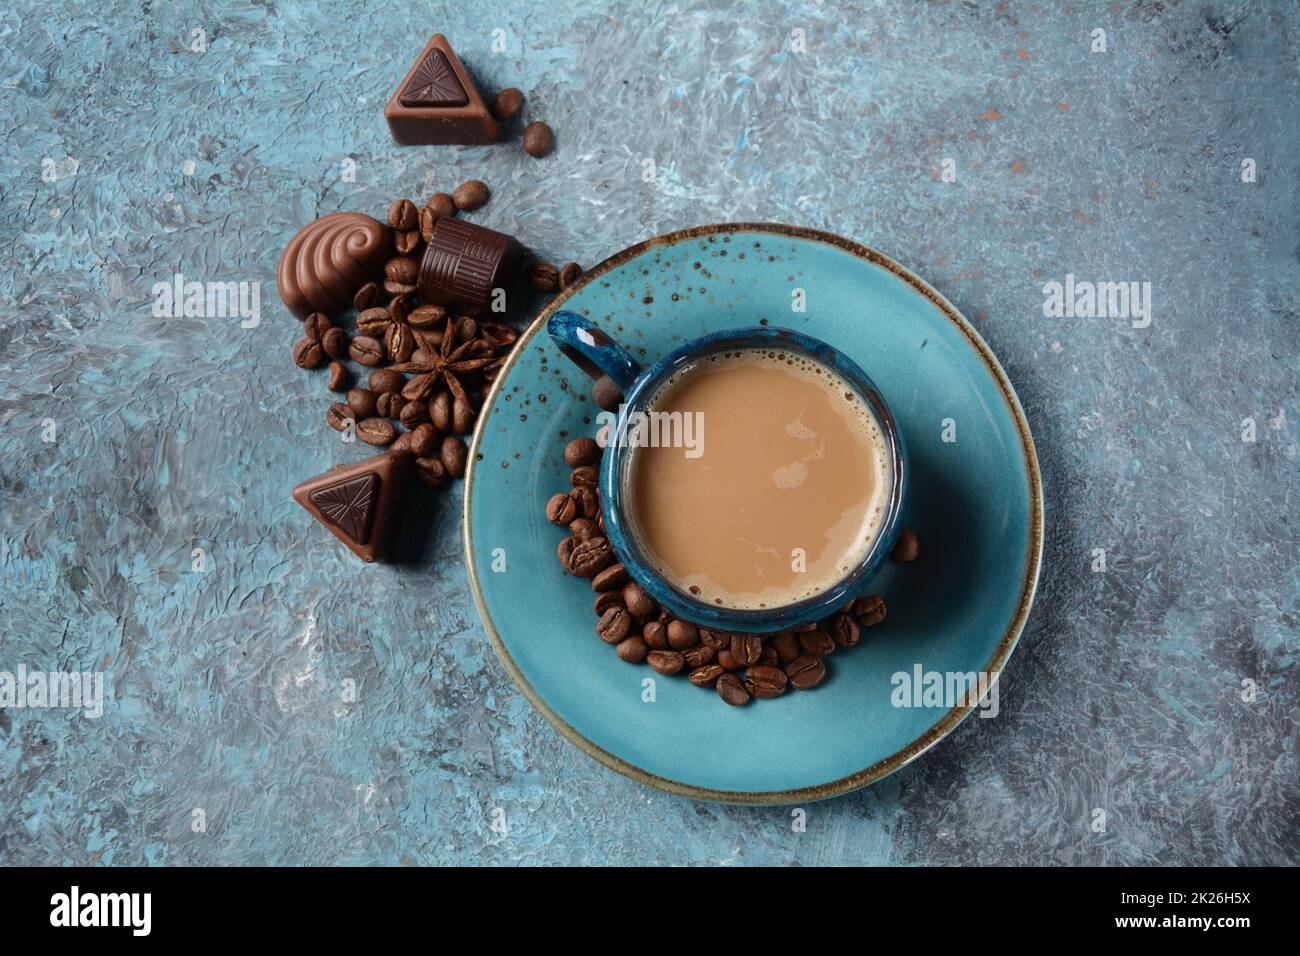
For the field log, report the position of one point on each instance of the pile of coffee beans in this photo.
(738, 666)
(392, 327)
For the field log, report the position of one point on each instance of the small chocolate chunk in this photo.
(506, 104)
(538, 139)
(906, 548)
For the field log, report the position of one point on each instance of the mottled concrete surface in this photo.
(1126, 694)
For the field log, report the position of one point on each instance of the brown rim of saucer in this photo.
(940, 728)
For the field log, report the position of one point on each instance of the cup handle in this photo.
(587, 345)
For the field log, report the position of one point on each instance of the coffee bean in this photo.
(470, 194)
(394, 287)
(401, 214)
(401, 443)
(428, 219)
(581, 451)
(805, 672)
(614, 625)
(362, 402)
(366, 296)
(728, 662)
(869, 611)
(746, 648)
(587, 476)
(564, 550)
(804, 628)
(705, 676)
(606, 600)
(413, 414)
(561, 509)
(399, 342)
(633, 650)
(763, 681)
(385, 380)
(427, 318)
(462, 417)
(591, 556)
(769, 657)
(506, 104)
(340, 377)
(424, 439)
(584, 528)
(906, 548)
(408, 243)
(440, 411)
(401, 307)
(307, 354)
(587, 500)
(731, 690)
(786, 646)
(714, 639)
(389, 404)
(402, 269)
(442, 205)
(699, 655)
(844, 631)
(611, 579)
(376, 431)
(666, 662)
(656, 635)
(366, 351)
(816, 643)
(374, 322)
(607, 395)
(453, 454)
(682, 634)
(339, 416)
(466, 329)
(316, 325)
(543, 277)
(640, 603)
(538, 139)
(502, 336)
(570, 274)
(430, 471)
(335, 342)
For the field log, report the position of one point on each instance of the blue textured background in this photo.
(183, 433)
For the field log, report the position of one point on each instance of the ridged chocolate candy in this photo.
(463, 264)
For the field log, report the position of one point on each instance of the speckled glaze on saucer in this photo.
(976, 504)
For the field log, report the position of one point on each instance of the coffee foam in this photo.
(866, 427)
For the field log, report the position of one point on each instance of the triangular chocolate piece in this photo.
(434, 84)
(358, 503)
(349, 504)
(437, 102)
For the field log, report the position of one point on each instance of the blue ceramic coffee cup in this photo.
(595, 352)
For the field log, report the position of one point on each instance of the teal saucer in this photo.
(975, 502)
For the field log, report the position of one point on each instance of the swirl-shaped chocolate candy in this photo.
(328, 260)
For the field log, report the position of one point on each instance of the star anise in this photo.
(443, 363)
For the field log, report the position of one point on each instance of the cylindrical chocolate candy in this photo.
(464, 263)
